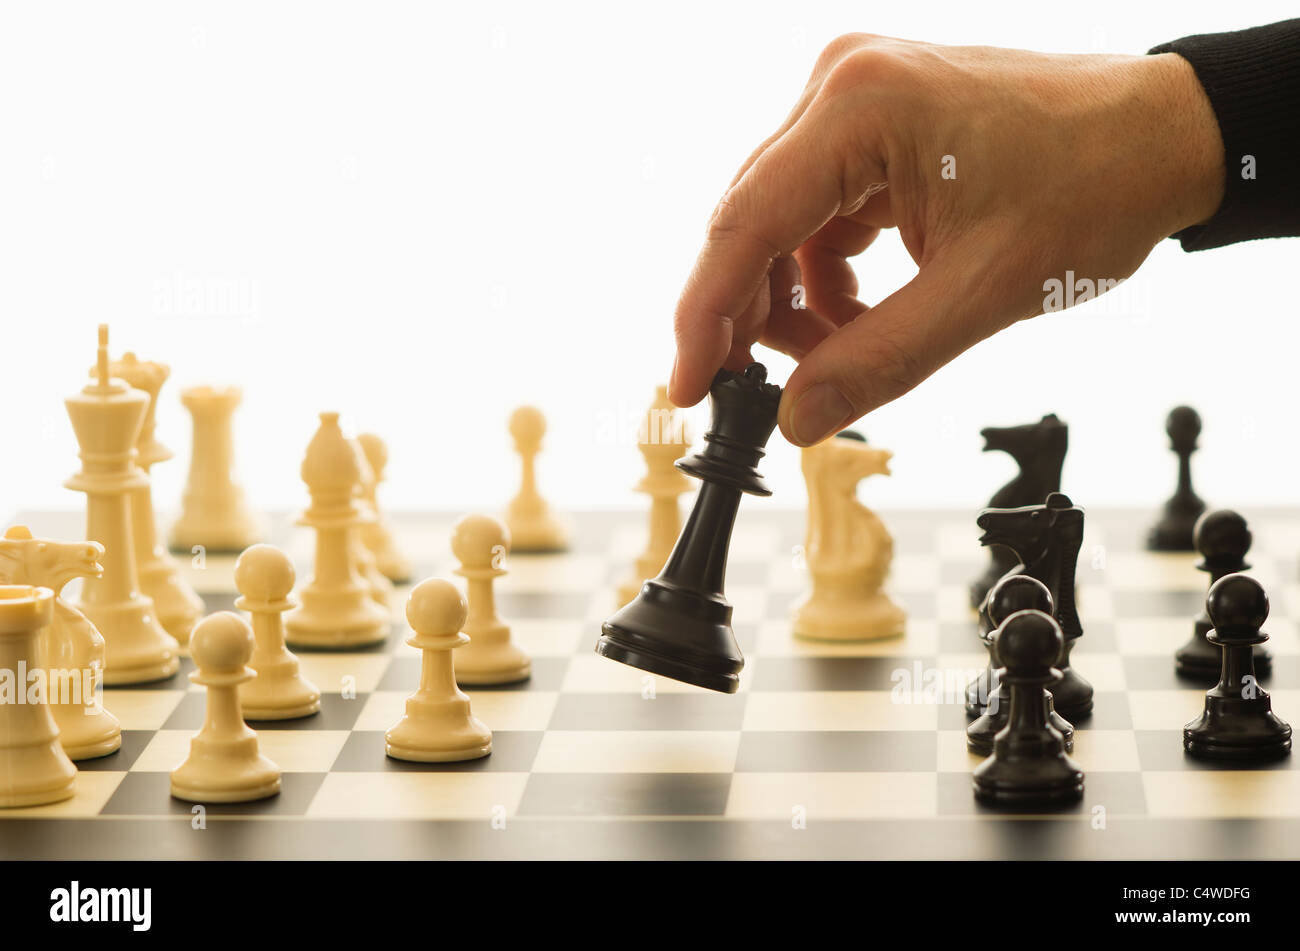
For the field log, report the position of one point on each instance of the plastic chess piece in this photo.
(1238, 723)
(1175, 531)
(177, 604)
(1013, 593)
(438, 726)
(1029, 766)
(214, 512)
(662, 441)
(481, 544)
(224, 764)
(107, 416)
(533, 526)
(1047, 539)
(679, 626)
(381, 589)
(34, 770)
(377, 535)
(264, 577)
(1223, 539)
(71, 650)
(1039, 450)
(337, 609)
(848, 549)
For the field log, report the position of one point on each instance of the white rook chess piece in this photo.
(662, 441)
(107, 416)
(438, 726)
(381, 589)
(178, 606)
(224, 764)
(71, 650)
(848, 548)
(337, 609)
(481, 543)
(214, 513)
(377, 536)
(264, 577)
(533, 526)
(33, 767)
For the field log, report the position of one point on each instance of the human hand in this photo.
(1000, 168)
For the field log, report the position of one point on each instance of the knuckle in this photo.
(730, 223)
(840, 47)
(868, 65)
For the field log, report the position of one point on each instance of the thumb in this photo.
(876, 357)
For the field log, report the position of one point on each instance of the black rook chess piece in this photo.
(1029, 766)
(1238, 723)
(680, 623)
(1039, 450)
(1013, 593)
(1176, 529)
(1223, 539)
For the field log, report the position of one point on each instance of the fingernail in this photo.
(820, 411)
(672, 379)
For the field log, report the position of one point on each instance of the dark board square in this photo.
(336, 713)
(625, 794)
(631, 711)
(397, 633)
(830, 673)
(512, 752)
(149, 794)
(1110, 711)
(1119, 794)
(179, 680)
(133, 743)
(1162, 751)
(875, 751)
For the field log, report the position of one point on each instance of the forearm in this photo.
(1252, 80)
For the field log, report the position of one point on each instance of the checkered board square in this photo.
(835, 750)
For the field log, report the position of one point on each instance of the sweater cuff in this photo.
(1252, 79)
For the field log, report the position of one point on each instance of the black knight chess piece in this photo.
(1238, 723)
(1223, 539)
(1013, 593)
(1029, 766)
(1046, 538)
(679, 625)
(1039, 450)
(1176, 529)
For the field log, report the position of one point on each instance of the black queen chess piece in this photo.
(679, 625)
(1223, 539)
(1175, 531)
(1238, 723)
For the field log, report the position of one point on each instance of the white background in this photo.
(424, 214)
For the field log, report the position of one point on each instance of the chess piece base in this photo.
(979, 690)
(1059, 782)
(678, 634)
(336, 620)
(440, 731)
(136, 648)
(1072, 695)
(499, 675)
(1257, 735)
(177, 607)
(1173, 534)
(265, 788)
(235, 772)
(36, 775)
(88, 736)
(304, 709)
(871, 618)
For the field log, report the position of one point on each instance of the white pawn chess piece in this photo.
(106, 416)
(381, 589)
(264, 577)
(377, 535)
(71, 650)
(336, 609)
(848, 549)
(224, 764)
(177, 604)
(662, 440)
(34, 770)
(438, 726)
(533, 526)
(481, 543)
(214, 512)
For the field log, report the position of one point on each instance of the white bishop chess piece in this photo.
(438, 726)
(71, 650)
(224, 764)
(848, 549)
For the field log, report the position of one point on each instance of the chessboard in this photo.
(828, 750)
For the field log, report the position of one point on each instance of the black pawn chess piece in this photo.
(1011, 594)
(1176, 529)
(679, 625)
(1029, 766)
(1223, 539)
(1238, 724)
(1039, 451)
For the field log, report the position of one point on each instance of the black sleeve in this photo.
(1252, 78)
